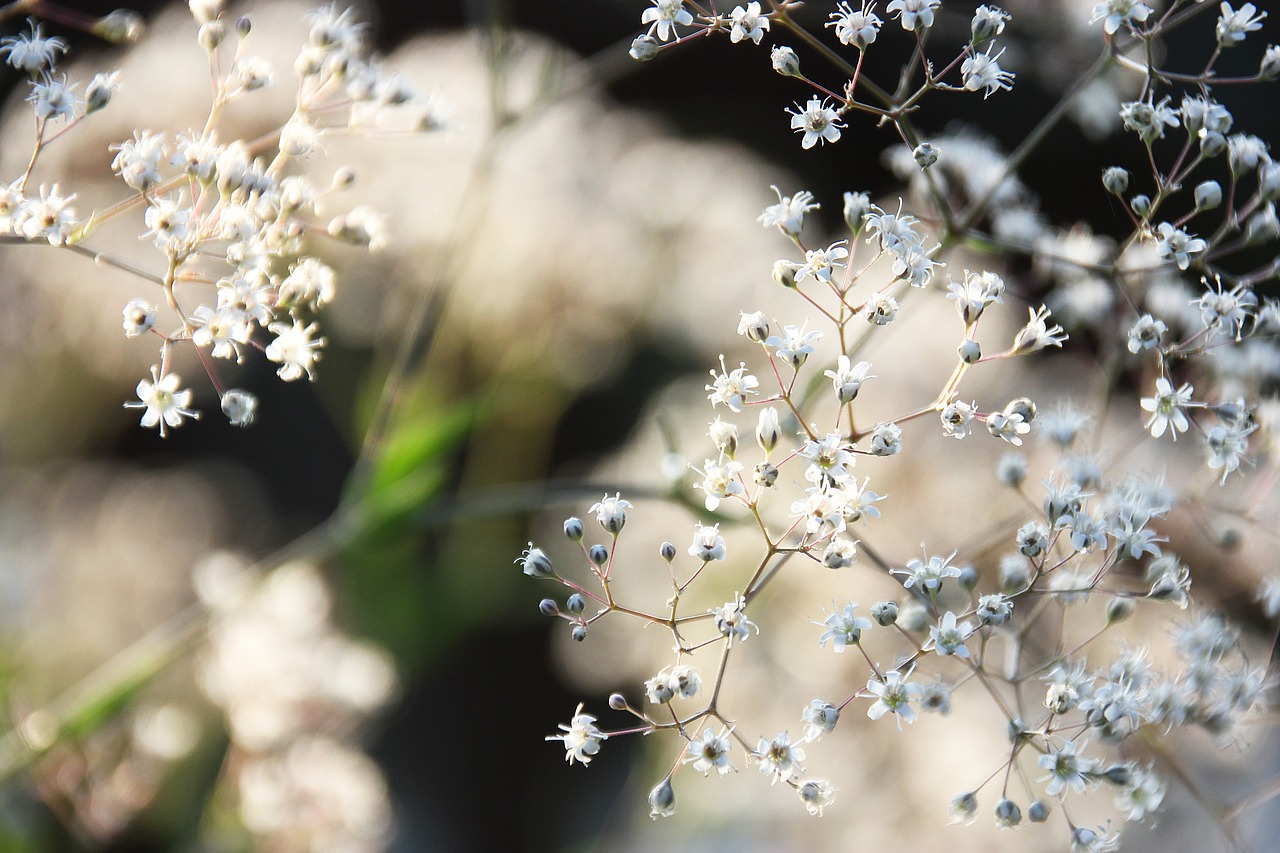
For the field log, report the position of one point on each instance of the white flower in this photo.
(224, 329)
(1166, 408)
(820, 717)
(611, 512)
(975, 293)
(310, 282)
(137, 160)
(795, 345)
(844, 628)
(956, 418)
(1066, 770)
(708, 544)
(731, 619)
(163, 403)
(1038, 334)
(719, 481)
(1117, 13)
(293, 349)
(1009, 427)
(788, 213)
(54, 98)
(817, 121)
(748, 23)
(894, 695)
(914, 14)
(821, 263)
(778, 759)
(1227, 445)
(139, 317)
(847, 378)
(816, 794)
(1149, 119)
(581, 737)
(31, 51)
(1233, 24)
(929, 576)
(830, 459)
(948, 638)
(1145, 333)
(982, 71)
(665, 16)
(856, 28)
(731, 387)
(711, 752)
(1177, 245)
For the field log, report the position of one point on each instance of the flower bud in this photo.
(667, 551)
(768, 429)
(662, 800)
(211, 35)
(119, 27)
(598, 554)
(1007, 813)
(343, 178)
(856, 208)
(576, 604)
(1023, 406)
(969, 351)
(243, 26)
(579, 633)
(573, 528)
(1118, 774)
(1212, 143)
(1269, 180)
(1011, 469)
(785, 61)
(548, 607)
(239, 406)
(1118, 610)
(1141, 205)
(968, 579)
(1208, 195)
(784, 273)
(964, 807)
(988, 22)
(885, 613)
(925, 154)
(617, 702)
(535, 563)
(644, 48)
(1038, 811)
(1115, 180)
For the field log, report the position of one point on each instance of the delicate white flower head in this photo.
(820, 717)
(137, 160)
(795, 344)
(1234, 24)
(719, 481)
(49, 216)
(1009, 427)
(680, 680)
(788, 213)
(581, 737)
(1226, 309)
(1117, 13)
(974, 293)
(1038, 334)
(779, 759)
(731, 619)
(139, 317)
(1086, 840)
(1177, 245)
(817, 121)
(816, 794)
(1149, 119)
(665, 16)
(988, 22)
(708, 544)
(163, 402)
(830, 459)
(847, 378)
(886, 439)
(929, 574)
(844, 628)
(240, 407)
(1067, 769)
(662, 800)
(894, 695)
(957, 418)
(1227, 444)
(611, 512)
(914, 14)
(948, 638)
(223, 330)
(55, 98)
(1145, 333)
(983, 71)
(294, 350)
(310, 282)
(821, 263)
(824, 509)
(748, 23)
(732, 387)
(881, 309)
(32, 52)
(167, 221)
(1167, 408)
(895, 231)
(710, 751)
(855, 28)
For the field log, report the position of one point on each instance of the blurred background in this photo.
(582, 240)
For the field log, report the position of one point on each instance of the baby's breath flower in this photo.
(1166, 408)
(785, 61)
(1234, 24)
(1177, 245)
(1117, 13)
(779, 759)
(731, 620)
(711, 752)
(139, 317)
(731, 387)
(55, 98)
(1145, 333)
(662, 800)
(1038, 334)
(844, 628)
(855, 28)
(748, 23)
(581, 737)
(795, 344)
(820, 717)
(914, 14)
(988, 22)
(32, 52)
(708, 544)
(1149, 119)
(816, 794)
(240, 407)
(948, 638)
(894, 695)
(848, 378)
(929, 574)
(788, 213)
(956, 417)
(294, 349)
(983, 71)
(1066, 769)
(818, 122)
(163, 403)
(665, 16)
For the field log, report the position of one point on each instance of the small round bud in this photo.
(968, 579)
(1212, 144)
(240, 407)
(784, 273)
(343, 178)
(119, 27)
(617, 702)
(885, 613)
(1141, 205)
(1007, 813)
(598, 554)
(662, 800)
(211, 35)
(964, 807)
(573, 528)
(856, 208)
(1038, 811)
(668, 551)
(1118, 610)
(579, 633)
(1229, 538)
(1115, 180)
(535, 563)
(243, 26)
(785, 61)
(925, 154)
(1014, 574)
(548, 607)
(765, 474)
(1208, 195)
(644, 47)
(969, 351)
(1023, 406)
(576, 603)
